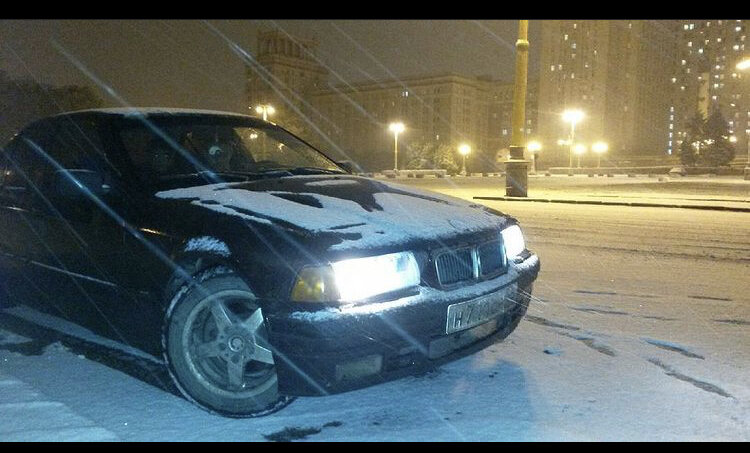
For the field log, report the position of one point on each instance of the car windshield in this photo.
(205, 146)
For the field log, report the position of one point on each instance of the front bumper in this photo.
(339, 349)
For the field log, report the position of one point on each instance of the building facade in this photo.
(351, 120)
(705, 77)
(618, 73)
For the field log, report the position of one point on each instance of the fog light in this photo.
(367, 366)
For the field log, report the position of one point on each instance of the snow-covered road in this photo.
(640, 330)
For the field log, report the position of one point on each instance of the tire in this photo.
(216, 347)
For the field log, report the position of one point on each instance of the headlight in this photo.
(513, 241)
(356, 279)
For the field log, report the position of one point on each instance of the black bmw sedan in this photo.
(257, 267)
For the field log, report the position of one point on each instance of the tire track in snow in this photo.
(673, 348)
(705, 386)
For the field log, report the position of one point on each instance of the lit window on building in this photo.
(690, 43)
(505, 131)
(738, 28)
(692, 26)
(565, 38)
(700, 50)
(573, 45)
(736, 47)
(674, 79)
(552, 67)
(683, 62)
(671, 109)
(685, 27)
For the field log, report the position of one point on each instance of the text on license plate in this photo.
(474, 312)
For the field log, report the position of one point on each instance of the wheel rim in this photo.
(226, 345)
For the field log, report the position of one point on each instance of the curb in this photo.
(638, 204)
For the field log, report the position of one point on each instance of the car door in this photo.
(88, 215)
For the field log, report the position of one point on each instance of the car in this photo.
(255, 265)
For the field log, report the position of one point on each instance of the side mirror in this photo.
(80, 184)
(346, 165)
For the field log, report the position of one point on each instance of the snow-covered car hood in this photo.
(363, 212)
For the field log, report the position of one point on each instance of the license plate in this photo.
(473, 312)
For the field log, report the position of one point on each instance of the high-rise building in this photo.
(351, 120)
(284, 72)
(705, 77)
(618, 73)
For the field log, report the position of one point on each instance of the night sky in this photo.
(190, 63)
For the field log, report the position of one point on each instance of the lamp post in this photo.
(599, 148)
(579, 149)
(533, 147)
(396, 128)
(744, 65)
(572, 116)
(265, 110)
(516, 168)
(464, 150)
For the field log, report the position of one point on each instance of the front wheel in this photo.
(216, 347)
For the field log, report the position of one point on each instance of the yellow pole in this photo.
(519, 91)
(516, 176)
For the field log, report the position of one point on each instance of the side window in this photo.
(74, 143)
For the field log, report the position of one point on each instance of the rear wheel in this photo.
(216, 346)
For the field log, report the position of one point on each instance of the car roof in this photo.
(155, 111)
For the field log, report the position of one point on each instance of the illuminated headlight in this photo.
(356, 279)
(513, 241)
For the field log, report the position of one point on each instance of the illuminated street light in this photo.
(533, 147)
(572, 116)
(579, 149)
(265, 110)
(396, 128)
(599, 148)
(464, 150)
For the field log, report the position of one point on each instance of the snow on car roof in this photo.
(146, 111)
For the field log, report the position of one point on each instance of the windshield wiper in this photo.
(215, 176)
(304, 171)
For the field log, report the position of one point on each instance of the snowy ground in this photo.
(640, 331)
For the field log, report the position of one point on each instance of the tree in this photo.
(718, 150)
(691, 146)
(424, 154)
(23, 101)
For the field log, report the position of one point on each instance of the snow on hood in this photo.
(364, 213)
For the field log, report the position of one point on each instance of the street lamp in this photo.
(599, 148)
(579, 149)
(533, 147)
(572, 116)
(464, 150)
(265, 110)
(396, 128)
